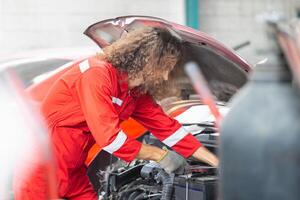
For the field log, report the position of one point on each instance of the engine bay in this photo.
(116, 180)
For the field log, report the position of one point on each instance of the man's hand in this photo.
(173, 163)
(204, 155)
(149, 152)
(168, 160)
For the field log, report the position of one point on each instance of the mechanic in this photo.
(89, 101)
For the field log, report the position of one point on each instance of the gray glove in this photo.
(173, 163)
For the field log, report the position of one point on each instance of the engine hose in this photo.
(141, 196)
(167, 181)
(134, 195)
(125, 195)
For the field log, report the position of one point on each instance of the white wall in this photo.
(236, 21)
(34, 24)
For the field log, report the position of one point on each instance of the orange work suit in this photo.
(86, 105)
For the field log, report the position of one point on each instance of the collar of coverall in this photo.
(123, 80)
(121, 75)
(123, 84)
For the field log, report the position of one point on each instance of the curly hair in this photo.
(146, 52)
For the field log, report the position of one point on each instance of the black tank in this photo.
(260, 139)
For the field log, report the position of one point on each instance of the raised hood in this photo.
(224, 70)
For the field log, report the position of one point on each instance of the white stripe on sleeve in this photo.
(117, 143)
(175, 137)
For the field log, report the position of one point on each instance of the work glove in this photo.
(172, 162)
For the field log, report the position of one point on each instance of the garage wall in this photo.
(33, 24)
(236, 21)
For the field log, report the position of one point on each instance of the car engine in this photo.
(139, 180)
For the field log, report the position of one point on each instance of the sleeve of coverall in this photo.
(165, 128)
(94, 90)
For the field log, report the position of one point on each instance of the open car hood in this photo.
(224, 70)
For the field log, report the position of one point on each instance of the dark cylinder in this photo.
(260, 139)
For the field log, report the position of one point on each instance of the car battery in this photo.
(195, 188)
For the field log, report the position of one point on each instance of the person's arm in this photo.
(94, 89)
(149, 152)
(170, 161)
(170, 132)
(204, 155)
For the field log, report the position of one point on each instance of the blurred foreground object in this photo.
(288, 35)
(23, 140)
(260, 135)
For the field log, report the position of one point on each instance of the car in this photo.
(225, 72)
(33, 66)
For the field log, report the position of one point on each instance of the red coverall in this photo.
(86, 105)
